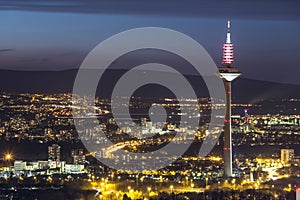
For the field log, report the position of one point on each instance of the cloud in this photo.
(6, 50)
(255, 9)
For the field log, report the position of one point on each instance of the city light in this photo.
(8, 156)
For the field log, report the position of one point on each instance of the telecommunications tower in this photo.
(228, 74)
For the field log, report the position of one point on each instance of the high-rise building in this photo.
(298, 193)
(246, 124)
(19, 165)
(228, 74)
(54, 152)
(78, 156)
(287, 155)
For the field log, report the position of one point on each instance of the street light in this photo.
(206, 182)
(149, 191)
(8, 156)
(171, 188)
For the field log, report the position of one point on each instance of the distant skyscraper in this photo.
(54, 152)
(246, 125)
(287, 156)
(228, 74)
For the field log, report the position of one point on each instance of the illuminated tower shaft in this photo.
(227, 132)
(228, 74)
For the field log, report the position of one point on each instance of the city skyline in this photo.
(265, 148)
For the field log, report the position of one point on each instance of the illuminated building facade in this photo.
(78, 156)
(287, 156)
(19, 165)
(228, 74)
(54, 152)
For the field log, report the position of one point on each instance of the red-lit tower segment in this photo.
(228, 49)
(228, 74)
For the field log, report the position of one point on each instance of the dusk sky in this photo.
(57, 35)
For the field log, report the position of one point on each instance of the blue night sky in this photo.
(57, 35)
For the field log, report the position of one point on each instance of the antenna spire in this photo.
(228, 41)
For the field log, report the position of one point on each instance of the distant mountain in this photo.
(244, 90)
